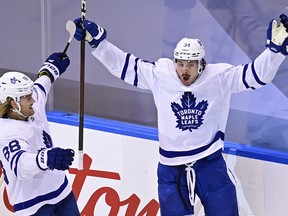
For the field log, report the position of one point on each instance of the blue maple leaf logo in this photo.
(47, 139)
(189, 115)
(13, 80)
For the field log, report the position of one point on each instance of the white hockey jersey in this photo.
(28, 187)
(191, 119)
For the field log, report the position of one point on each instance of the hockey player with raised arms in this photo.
(33, 168)
(192, 100)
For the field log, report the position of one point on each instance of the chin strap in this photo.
(18, 111)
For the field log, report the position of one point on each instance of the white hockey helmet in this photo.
(15, 84)
(189, 49)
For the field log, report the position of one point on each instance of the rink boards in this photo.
(120, 162)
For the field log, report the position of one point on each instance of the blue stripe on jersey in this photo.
(255, 75)
(153, 63)
(124, 70)
(16, 163)
(136, 74)
(173, 154)
(41, 87)
(244, 76)
(36, 200)
(15, 156)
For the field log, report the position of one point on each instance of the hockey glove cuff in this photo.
(55, 158)
(41, 159)
(94, 33)
(55, 65)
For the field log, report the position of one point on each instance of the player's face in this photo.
(187, 71)
(26, 104)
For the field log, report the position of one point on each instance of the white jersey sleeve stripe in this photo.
(17, 156)
(123, 74)
(136, 74)
(41, 198)
(41, 88)
(255, 75)
(244, 77)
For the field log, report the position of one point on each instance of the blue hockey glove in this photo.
(94, 34)
(277, 35)
(80, 31)
(55, 158)
(55, 65)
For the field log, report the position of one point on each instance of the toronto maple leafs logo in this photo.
(13, 80)
(189, 115)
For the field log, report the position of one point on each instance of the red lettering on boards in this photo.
(111, 196)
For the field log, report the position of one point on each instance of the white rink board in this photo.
(125, 167)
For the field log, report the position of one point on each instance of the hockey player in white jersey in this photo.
(33, 168)
(192, 100)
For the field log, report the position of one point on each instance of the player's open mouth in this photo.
(185, 77)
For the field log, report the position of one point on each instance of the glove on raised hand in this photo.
(94, 34)
(277, 35)
(55, 158)
(55, 65)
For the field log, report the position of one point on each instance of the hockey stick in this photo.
(71, 28)
(82, 88)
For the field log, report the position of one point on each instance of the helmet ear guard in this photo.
(15, 85)
(202, 66)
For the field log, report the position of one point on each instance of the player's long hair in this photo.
(5, 107)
